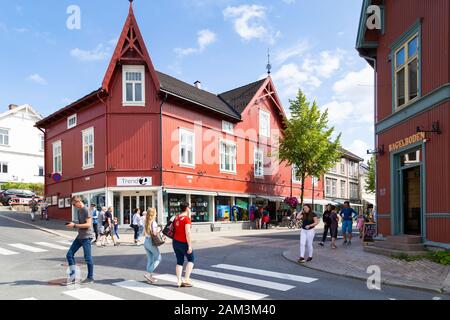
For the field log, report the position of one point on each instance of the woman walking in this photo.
(182, 245)
(153, 255)
(334, 217)
(136, 220)
(307, 233)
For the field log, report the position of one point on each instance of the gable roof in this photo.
(130, 48)
(239, 98)
(188, 92)
(350, 155)
(25, 107)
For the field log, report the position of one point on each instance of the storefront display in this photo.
(175, 201)
(201, 208)
(223, 209)
(241, 210)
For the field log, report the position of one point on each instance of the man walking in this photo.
(326, 224)
(347, 214)
(85, 235)
(34, 207)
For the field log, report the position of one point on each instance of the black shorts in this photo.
(334, 231)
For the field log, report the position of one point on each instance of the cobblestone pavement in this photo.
(353, 262)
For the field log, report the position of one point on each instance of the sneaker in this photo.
(88, 281)
(345, 242)
(301, 260)
(309, 260)
(349, 243)
(321, 244)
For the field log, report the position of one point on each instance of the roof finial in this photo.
(269, 66)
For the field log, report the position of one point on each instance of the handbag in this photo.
(158, 239)
(169, 230)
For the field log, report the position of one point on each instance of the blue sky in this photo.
(222, 43)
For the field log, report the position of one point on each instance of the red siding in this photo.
(438, 230)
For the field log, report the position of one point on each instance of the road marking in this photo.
(66, 242)
(265, 273)
(230, 291)
(246, 280)
(157, 292)
(437, 298)
(89, 294)
(27, 248)
(31, 299)
(392, 299)
(51, 245)
(6, 252)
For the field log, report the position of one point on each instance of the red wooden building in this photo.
(410, 54)
(146, 139)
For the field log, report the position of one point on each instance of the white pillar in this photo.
(160, 202)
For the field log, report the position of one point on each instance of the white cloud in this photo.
(101, 52)
(359, 147)
(295, 51)
(327, 64)
(36, 78)
(250, 22)
(289, 1)
(205, 38)
(291, 78)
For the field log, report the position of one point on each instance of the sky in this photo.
(48, 60)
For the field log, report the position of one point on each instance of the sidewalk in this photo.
(352, 261)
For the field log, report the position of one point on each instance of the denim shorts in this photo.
(181, 250)
(347, 226)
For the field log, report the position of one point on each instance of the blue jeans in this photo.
(153, 255)
(76, 245)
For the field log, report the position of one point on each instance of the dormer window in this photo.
(134, 86)
(72, 121)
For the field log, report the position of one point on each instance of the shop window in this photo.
(223, 209)
(241, 211)
(201, 206)
(174, 204)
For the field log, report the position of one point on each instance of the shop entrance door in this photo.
(411, 201)
(131, 202)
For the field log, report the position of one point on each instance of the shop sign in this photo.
(134, 181)
(407, 141)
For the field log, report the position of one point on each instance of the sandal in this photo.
(150, 279)
(186, 285)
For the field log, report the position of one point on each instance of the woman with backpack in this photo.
(152, 241)
(309, 222)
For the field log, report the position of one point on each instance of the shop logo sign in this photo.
(407, 141)
(134, 181)
(374, 18)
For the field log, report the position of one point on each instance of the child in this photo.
(360, 225)
(116, 227)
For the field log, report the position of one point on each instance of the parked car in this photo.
(15, 196)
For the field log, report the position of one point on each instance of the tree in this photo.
(370, 179)
(306, 142)
(37, 188)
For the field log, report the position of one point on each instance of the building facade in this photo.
(367, 198)
(410, 55)
(146, 139)
(342, 182)
(21, 146)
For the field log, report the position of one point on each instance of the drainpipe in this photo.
(45, 162)
(374, 60)
(161, 205)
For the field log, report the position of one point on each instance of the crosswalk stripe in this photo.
(266, 273)
(6, 252)
(27, 248)
(246, 280)
(230, 291)
(31, 299)
(51, 245)
(157, 292)
(437, 298)
(89, 294)
(66, 242)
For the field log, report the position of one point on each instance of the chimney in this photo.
(198, 85)
(12, 106)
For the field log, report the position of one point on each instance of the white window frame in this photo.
(343, 190)
(332, 186)
(69, 120)
(2, 163)
(85, 133)
(264, 115)
(234, 157)
(258, 163)
(132, 68)
(56, 145)
(294, 175)
(3, 144)
(187, 133)
(39, 171)
(227, 127)
(354, 188)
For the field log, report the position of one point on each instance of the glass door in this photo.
(131, 202)
(411, 201)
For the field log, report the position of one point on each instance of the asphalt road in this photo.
(247, 267)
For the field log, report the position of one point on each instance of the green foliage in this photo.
(370, 180)
(37, 188)
(406, 257)
(442, 257)
(306, 142)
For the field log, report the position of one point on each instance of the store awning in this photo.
(236, 195)
(191, 192)
(356, 205)
(271, 198)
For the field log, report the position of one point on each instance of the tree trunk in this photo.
(303, 190)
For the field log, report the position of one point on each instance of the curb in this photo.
(37, 227)
(434, 289)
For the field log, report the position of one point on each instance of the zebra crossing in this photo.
(13, 249)
(238, 286)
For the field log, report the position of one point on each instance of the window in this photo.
(187, 153)
(315, 181)
(343, 166)
(354, 191)
(88, 148)
(41, 171)
(264, 123)
(4, 137)
(331, 187)
(353, 170)
(334, 170)
(3, 167)
(227, 127)
(407, 72)
(133, 86)
(72, 121)
(296, 175)
(343, 193)
(57, 157)
(259, 163)
(227, 157)
(42, 142)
